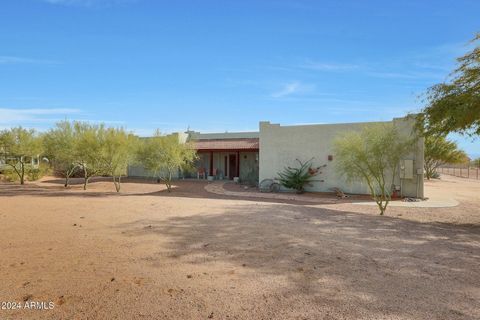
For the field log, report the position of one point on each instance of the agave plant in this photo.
(298, 178)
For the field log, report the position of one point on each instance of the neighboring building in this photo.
(33, 162)
(254, 156)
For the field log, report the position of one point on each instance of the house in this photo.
(220, 156)
(281, 145)
(228, 155)
(6, 160)
(255, 156)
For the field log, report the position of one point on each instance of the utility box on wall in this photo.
(406, 169)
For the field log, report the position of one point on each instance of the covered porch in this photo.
(228, 159)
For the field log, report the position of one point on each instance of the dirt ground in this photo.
(147, 254)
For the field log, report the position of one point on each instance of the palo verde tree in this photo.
(440, 151)
(476, 163)
(60, 149)
(117, 152)
(372, 156)
(89, 141)
(165, 155)
(17, 148)
(454, 106)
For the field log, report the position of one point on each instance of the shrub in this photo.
(435, 175)
(9, 175)
(35, 173)
(298, 178)
(251, 177)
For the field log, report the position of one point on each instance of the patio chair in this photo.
(201, 172)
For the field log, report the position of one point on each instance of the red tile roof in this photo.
(227, 144)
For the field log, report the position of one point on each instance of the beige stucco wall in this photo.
(281, 145)
(249, 167)
(412, 187)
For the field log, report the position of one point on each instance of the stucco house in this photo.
(228, 155)
(255, 156)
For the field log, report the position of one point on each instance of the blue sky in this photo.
(225, 65)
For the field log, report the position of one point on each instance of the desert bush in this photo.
(435, 175)
(299, 177)
(35, 173)
(251, 178)
(9, 175)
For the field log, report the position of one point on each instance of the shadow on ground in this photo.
(181, 189)
(370, 267)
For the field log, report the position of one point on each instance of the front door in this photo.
(232, 166)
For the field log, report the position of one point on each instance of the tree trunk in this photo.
(382, 206)
(22, 174)
(85, 177)
(19, 174)
(116, 183)
(381, 209)
(169, 182)
(68, 173)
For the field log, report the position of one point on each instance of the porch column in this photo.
(238, 164)
(210, 173)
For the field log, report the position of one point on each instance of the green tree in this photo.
(440, 151)
(89, 141)
(476, 162)
(372, 156)
(60, 149)
(454, 106)
(117, 152)
(164, 156)
(17, 148)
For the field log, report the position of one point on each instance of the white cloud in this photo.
(292, 88)
(321, 66)
(9, 116)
